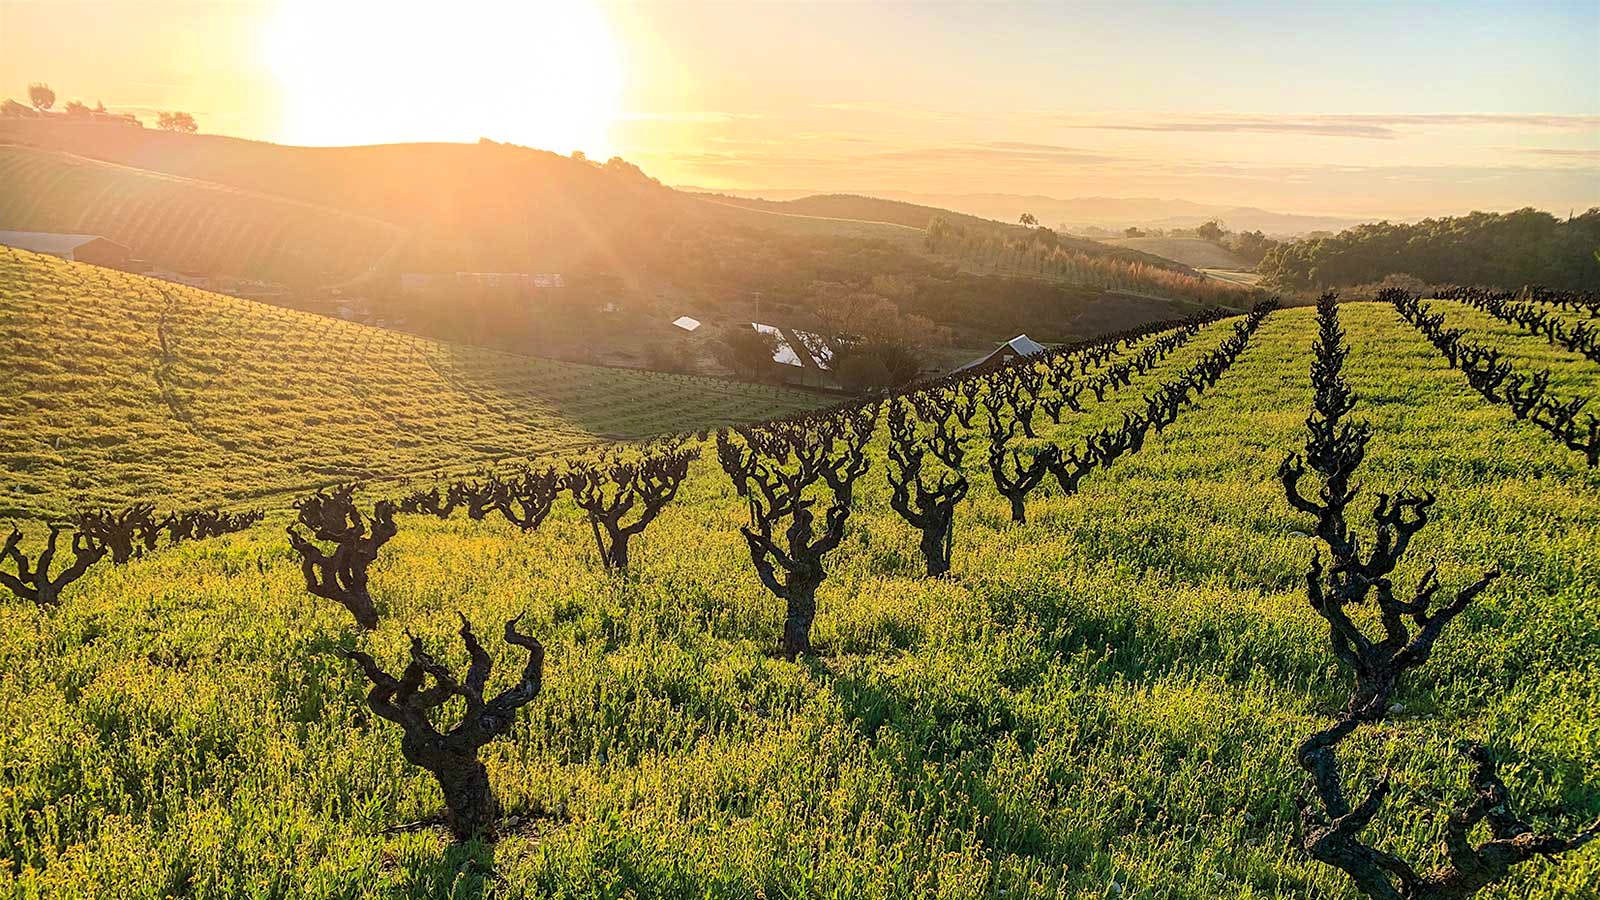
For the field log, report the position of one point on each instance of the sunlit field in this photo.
(127, 389)
(819, 450)
(1101, 703)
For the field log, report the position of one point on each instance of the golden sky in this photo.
(1342, 108)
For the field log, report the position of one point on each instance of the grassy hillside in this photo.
(1101, 703)
(493, 206)
(482, 207)
(731, 212)
(180, 223)
(1192, 252)
(120, 387)
(856, 206)
(853, 207)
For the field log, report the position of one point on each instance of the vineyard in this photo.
(189, 225)
(1298, 603)
(122, 389)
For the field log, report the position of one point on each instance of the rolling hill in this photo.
(490, 206)
(1089, 212)
(120, 388)
(845, 207)
(1192, 252)
(472, 207)
(1103, 702)
(184, 224)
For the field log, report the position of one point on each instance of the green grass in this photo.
(1571, 373)
(1101, 703)
(245, 403)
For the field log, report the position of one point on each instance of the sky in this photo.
(1336, 108)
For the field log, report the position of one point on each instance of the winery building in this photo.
(88, 248)
(1006, 353)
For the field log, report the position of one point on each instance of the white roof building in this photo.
(1016, 348)
(784, 354)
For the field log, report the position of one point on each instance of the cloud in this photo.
(896, 110)
(996, 151)
(703, 118)
(1519, 120)
(1562, 152)
(763, 153)
(1372, 127)
(1256, 125)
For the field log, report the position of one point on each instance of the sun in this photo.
(547, 75)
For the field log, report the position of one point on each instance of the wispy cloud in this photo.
(763, 152)
(1562, 152)
(895, 110)
(1373, 127)
(996, 151)
(1257, 126)
(699, 118)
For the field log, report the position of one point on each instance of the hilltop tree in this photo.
(180, 122)
(452, 755)
(1028, 219)
(1252, 246)
(40, 95)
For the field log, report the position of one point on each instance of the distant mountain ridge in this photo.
(860, 207)
(1080, 212)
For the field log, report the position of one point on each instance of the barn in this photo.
(800, 357)
(88, 248)
(1006, 353)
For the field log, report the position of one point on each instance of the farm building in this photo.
(1011, 350)
(86, 248)
(801, 357)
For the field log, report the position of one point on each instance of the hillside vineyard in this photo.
(1097, 624)
(127, 389)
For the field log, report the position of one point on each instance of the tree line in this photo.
(1502, 250)
(1042, 252)
(42, 100)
